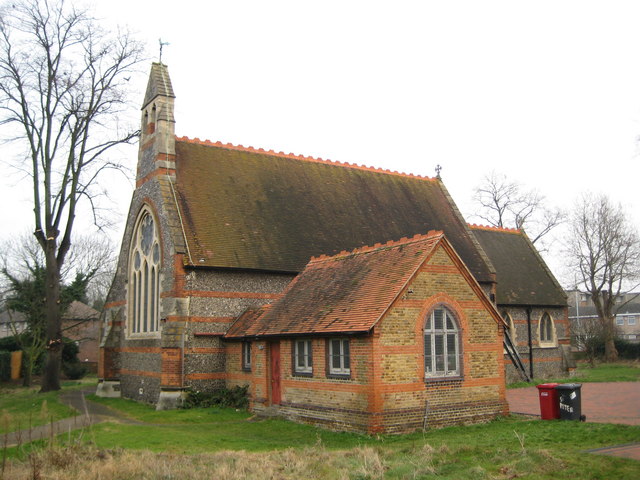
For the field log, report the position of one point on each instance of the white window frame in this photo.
(631, 320)
(303, 357)
(619, 320)
(547, 333)
(439, 338)
(145, 260)
(246, 356)
(343, 357)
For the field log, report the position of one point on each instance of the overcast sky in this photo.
(546, 92)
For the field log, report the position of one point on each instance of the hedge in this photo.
(625, 348)
(5, 366)
(9, 344)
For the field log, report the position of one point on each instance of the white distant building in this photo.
(11, 323)
(582, 311)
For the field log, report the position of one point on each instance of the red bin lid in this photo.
(547, 385)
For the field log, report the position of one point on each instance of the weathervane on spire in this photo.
(438, 170)
(162, 44)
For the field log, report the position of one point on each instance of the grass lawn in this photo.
(22, 407)
(230, 444)
(226, 444)
(602, 372)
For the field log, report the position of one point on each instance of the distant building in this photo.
(582, 313)
(11, 323)
(82, 323)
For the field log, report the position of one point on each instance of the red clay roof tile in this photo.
(344, 294)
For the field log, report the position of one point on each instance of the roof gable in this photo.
(523, 277)
(251, 209)
(345, 293)
(79, 311)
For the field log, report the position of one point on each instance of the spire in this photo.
(159, 84)
(157, 124)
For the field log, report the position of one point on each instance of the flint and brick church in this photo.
(344, 296)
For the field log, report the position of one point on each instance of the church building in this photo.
(345, 296)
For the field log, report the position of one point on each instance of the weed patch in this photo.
(282, 450)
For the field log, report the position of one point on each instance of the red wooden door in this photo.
(276, 394)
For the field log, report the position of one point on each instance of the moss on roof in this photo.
(346, 293)
(522, 276)
(256, 210)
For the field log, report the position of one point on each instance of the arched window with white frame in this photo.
(442, 355)
(144, 276)
(546, 330)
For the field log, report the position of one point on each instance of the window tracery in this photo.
(144, 277)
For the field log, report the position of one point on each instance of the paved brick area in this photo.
(625, 451)
(617, 402)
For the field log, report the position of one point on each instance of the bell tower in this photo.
(157, 127)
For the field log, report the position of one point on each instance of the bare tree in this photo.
(604, 248)
(92, 256)
(505, 204)
(85, 276)
(62, 86)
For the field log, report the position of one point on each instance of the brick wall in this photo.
(408, 400)
(387, 390)
(215, 300)
(547, 359)
(192, 302)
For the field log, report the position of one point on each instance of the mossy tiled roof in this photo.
(259, 210)
(523, 277)
(343, 294)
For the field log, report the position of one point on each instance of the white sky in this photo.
(546, 92)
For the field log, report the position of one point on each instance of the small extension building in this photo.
(380, 339)
(391, 326)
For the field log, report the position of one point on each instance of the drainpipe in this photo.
(530, 343)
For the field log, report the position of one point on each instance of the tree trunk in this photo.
(610, 351)
(53, 361)
(28, 368)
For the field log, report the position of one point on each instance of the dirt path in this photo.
(90, 414)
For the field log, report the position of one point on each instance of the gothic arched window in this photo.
(441, 344)
(546, 330)
(511, 327)
(144, 276)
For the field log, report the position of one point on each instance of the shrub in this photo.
(5, 366)
(74, 370)
(235, 397)
(625, 348)
(10, 344)
(70, 351)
